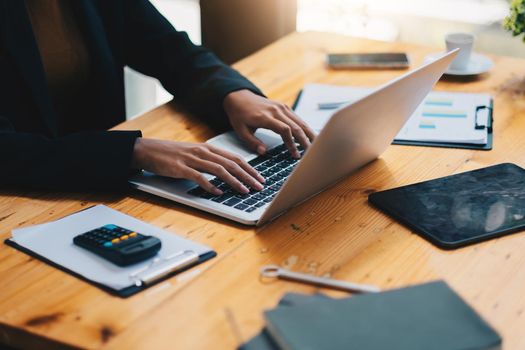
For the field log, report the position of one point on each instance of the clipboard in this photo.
(123, 293)
(483, 147)
(147, 275)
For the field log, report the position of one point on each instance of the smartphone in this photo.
(387, 60)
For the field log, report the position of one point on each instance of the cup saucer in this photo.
(478, 64)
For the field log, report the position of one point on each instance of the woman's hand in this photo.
(188, 160)
(248, 112)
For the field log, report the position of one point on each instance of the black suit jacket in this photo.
(34, 152)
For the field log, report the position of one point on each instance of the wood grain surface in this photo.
(336, 234)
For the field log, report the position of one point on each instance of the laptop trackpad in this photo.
(230, 142)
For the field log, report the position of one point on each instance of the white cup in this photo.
(463, 41)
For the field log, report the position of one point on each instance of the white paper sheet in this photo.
(54, 241)
(442, 117)
(313, 94)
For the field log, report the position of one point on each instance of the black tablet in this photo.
(460, 209)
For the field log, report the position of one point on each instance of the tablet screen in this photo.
(460, 209)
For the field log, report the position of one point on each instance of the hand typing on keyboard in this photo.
(187, 160)
(246, 112)
(276, 165)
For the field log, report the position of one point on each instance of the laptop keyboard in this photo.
(275, 166)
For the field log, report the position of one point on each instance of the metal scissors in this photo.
(274, 271)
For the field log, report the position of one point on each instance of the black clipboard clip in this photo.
(478, 126)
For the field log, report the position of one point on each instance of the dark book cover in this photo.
(263, 341)
(428, 316)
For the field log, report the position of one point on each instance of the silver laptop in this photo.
(353, 136)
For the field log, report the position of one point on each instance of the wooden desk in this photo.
(337, 233)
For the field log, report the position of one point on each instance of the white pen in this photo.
(331, 105)
(274, 271)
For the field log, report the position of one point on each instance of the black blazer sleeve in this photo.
(98, 160)
(193, 74)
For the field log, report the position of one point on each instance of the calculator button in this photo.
(108, 244)
(124, 237)
(133, 234)
(115, 240)
(110, 227)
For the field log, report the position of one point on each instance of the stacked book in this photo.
(428, 316)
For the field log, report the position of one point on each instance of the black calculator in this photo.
(119, 245)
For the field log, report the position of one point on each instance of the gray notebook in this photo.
(263, 341)
(428, 316)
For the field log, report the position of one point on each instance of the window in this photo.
(396, 20)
